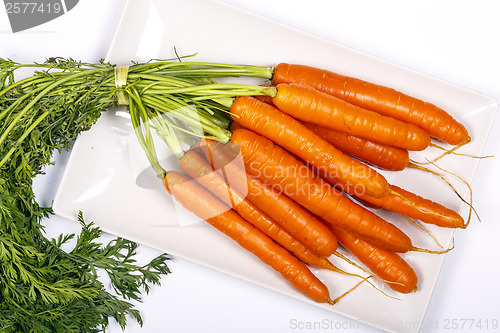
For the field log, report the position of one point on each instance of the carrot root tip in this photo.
(454, 150)
(469, 203)
(418, 208)
(417, 249)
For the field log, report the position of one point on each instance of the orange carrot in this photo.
(417, 207)
(387, 265)
(377, 154)
(279, 207)
(402, 202)
(381, 99)
(215, 182)
(203, 204)
(394, 159)
(383, 156)
(308, 244)
(273, 165)
(290, 134)
(311, 105)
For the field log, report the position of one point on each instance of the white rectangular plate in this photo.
(107, 176)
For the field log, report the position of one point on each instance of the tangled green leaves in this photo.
(42, 287)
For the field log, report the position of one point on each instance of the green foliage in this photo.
(42, 287)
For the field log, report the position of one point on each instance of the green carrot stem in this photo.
(215, 113)
(220, 89)
(191, 69)
(166, 132)
(187, 114)
(146, 142)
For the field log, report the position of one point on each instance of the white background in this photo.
(453, 40)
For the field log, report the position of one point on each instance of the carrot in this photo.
(387, 101)
(383, 156)
(400, 201)
(308, 244)
(380, 155)
(396, 159)
(290, 134)
(273, 165)
(387, 265)
(403, 202)
(203, 204)
(309, 104)
(417, 207)
(279, 207)
(215, 182)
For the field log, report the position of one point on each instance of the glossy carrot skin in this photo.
(279, 207)
(387, 265)
(413, 205)
(292, 135)
(206, 206)
(383, 156)
(311, 105)
(417, 208)
(307, 245)
(405, 203)
(387, 101)
(273, 165)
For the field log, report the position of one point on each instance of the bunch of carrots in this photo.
(312, 143)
